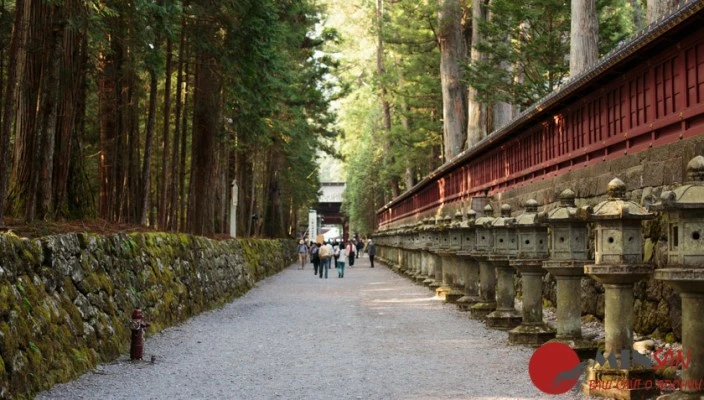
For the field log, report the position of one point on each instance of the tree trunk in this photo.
(77, 185)
(165, 181)
(584, 36)
(146, 162)
(34, 105)
(659, 8)
(182, 169)
(109, 104)
(175, 170)
(45, 161)
(130, 170)
(71, 104)
(452, 55)
(476, 111)
(8, 108)
(206, 123)
(637, 14)
(385, 105)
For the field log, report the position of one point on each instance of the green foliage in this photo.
(378, 158)
(526, 48)
(616, 23)
(525, 51)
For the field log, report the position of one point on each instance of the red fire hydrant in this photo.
(137, 326)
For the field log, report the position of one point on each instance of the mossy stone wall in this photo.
(66, 300)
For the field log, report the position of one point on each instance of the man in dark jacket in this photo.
(371, 250)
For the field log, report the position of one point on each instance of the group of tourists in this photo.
(322, 255)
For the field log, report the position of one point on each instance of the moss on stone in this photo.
(170, 276)
(670, 338)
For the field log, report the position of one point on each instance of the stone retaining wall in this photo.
(66, 300)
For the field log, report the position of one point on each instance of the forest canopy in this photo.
(148, 111)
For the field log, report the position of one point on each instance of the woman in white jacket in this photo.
(340, 265)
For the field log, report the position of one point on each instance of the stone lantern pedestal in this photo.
(487, 275)
(618, 266)
(532, 331)
(505, 316)
(568, 276)
(689, 283)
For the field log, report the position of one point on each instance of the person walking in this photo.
(351, 249)
(315, 257)
(340, 264)
(302, 253)
(325, 257)
(371, 250)
(336, 252)
(360, 246)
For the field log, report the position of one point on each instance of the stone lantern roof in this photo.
(505, 220)
(487, 220)
(688, 196)
(470, 219)
(457, 220)
(567, 210)
(617, 207)
(428, 224)
(530, 218)
(446, 222)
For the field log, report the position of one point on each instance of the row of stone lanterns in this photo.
(471, 260)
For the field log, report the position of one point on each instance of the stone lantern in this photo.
(505, 316)
(445, 258)
(487, 277)
(454, 277)
(684, 208)
(434, 280)
(404, 243)
(532, 235)
(401, 248)
(568, 254)
(395, 242)
(380, 238)
(618, 266)
(413, 249)
(465, 261)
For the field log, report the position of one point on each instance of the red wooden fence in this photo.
(648, 92)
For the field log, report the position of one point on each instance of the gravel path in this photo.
(371, 335)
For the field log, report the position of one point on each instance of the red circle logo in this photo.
(555, 368)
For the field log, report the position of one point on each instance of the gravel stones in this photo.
(371, 335)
